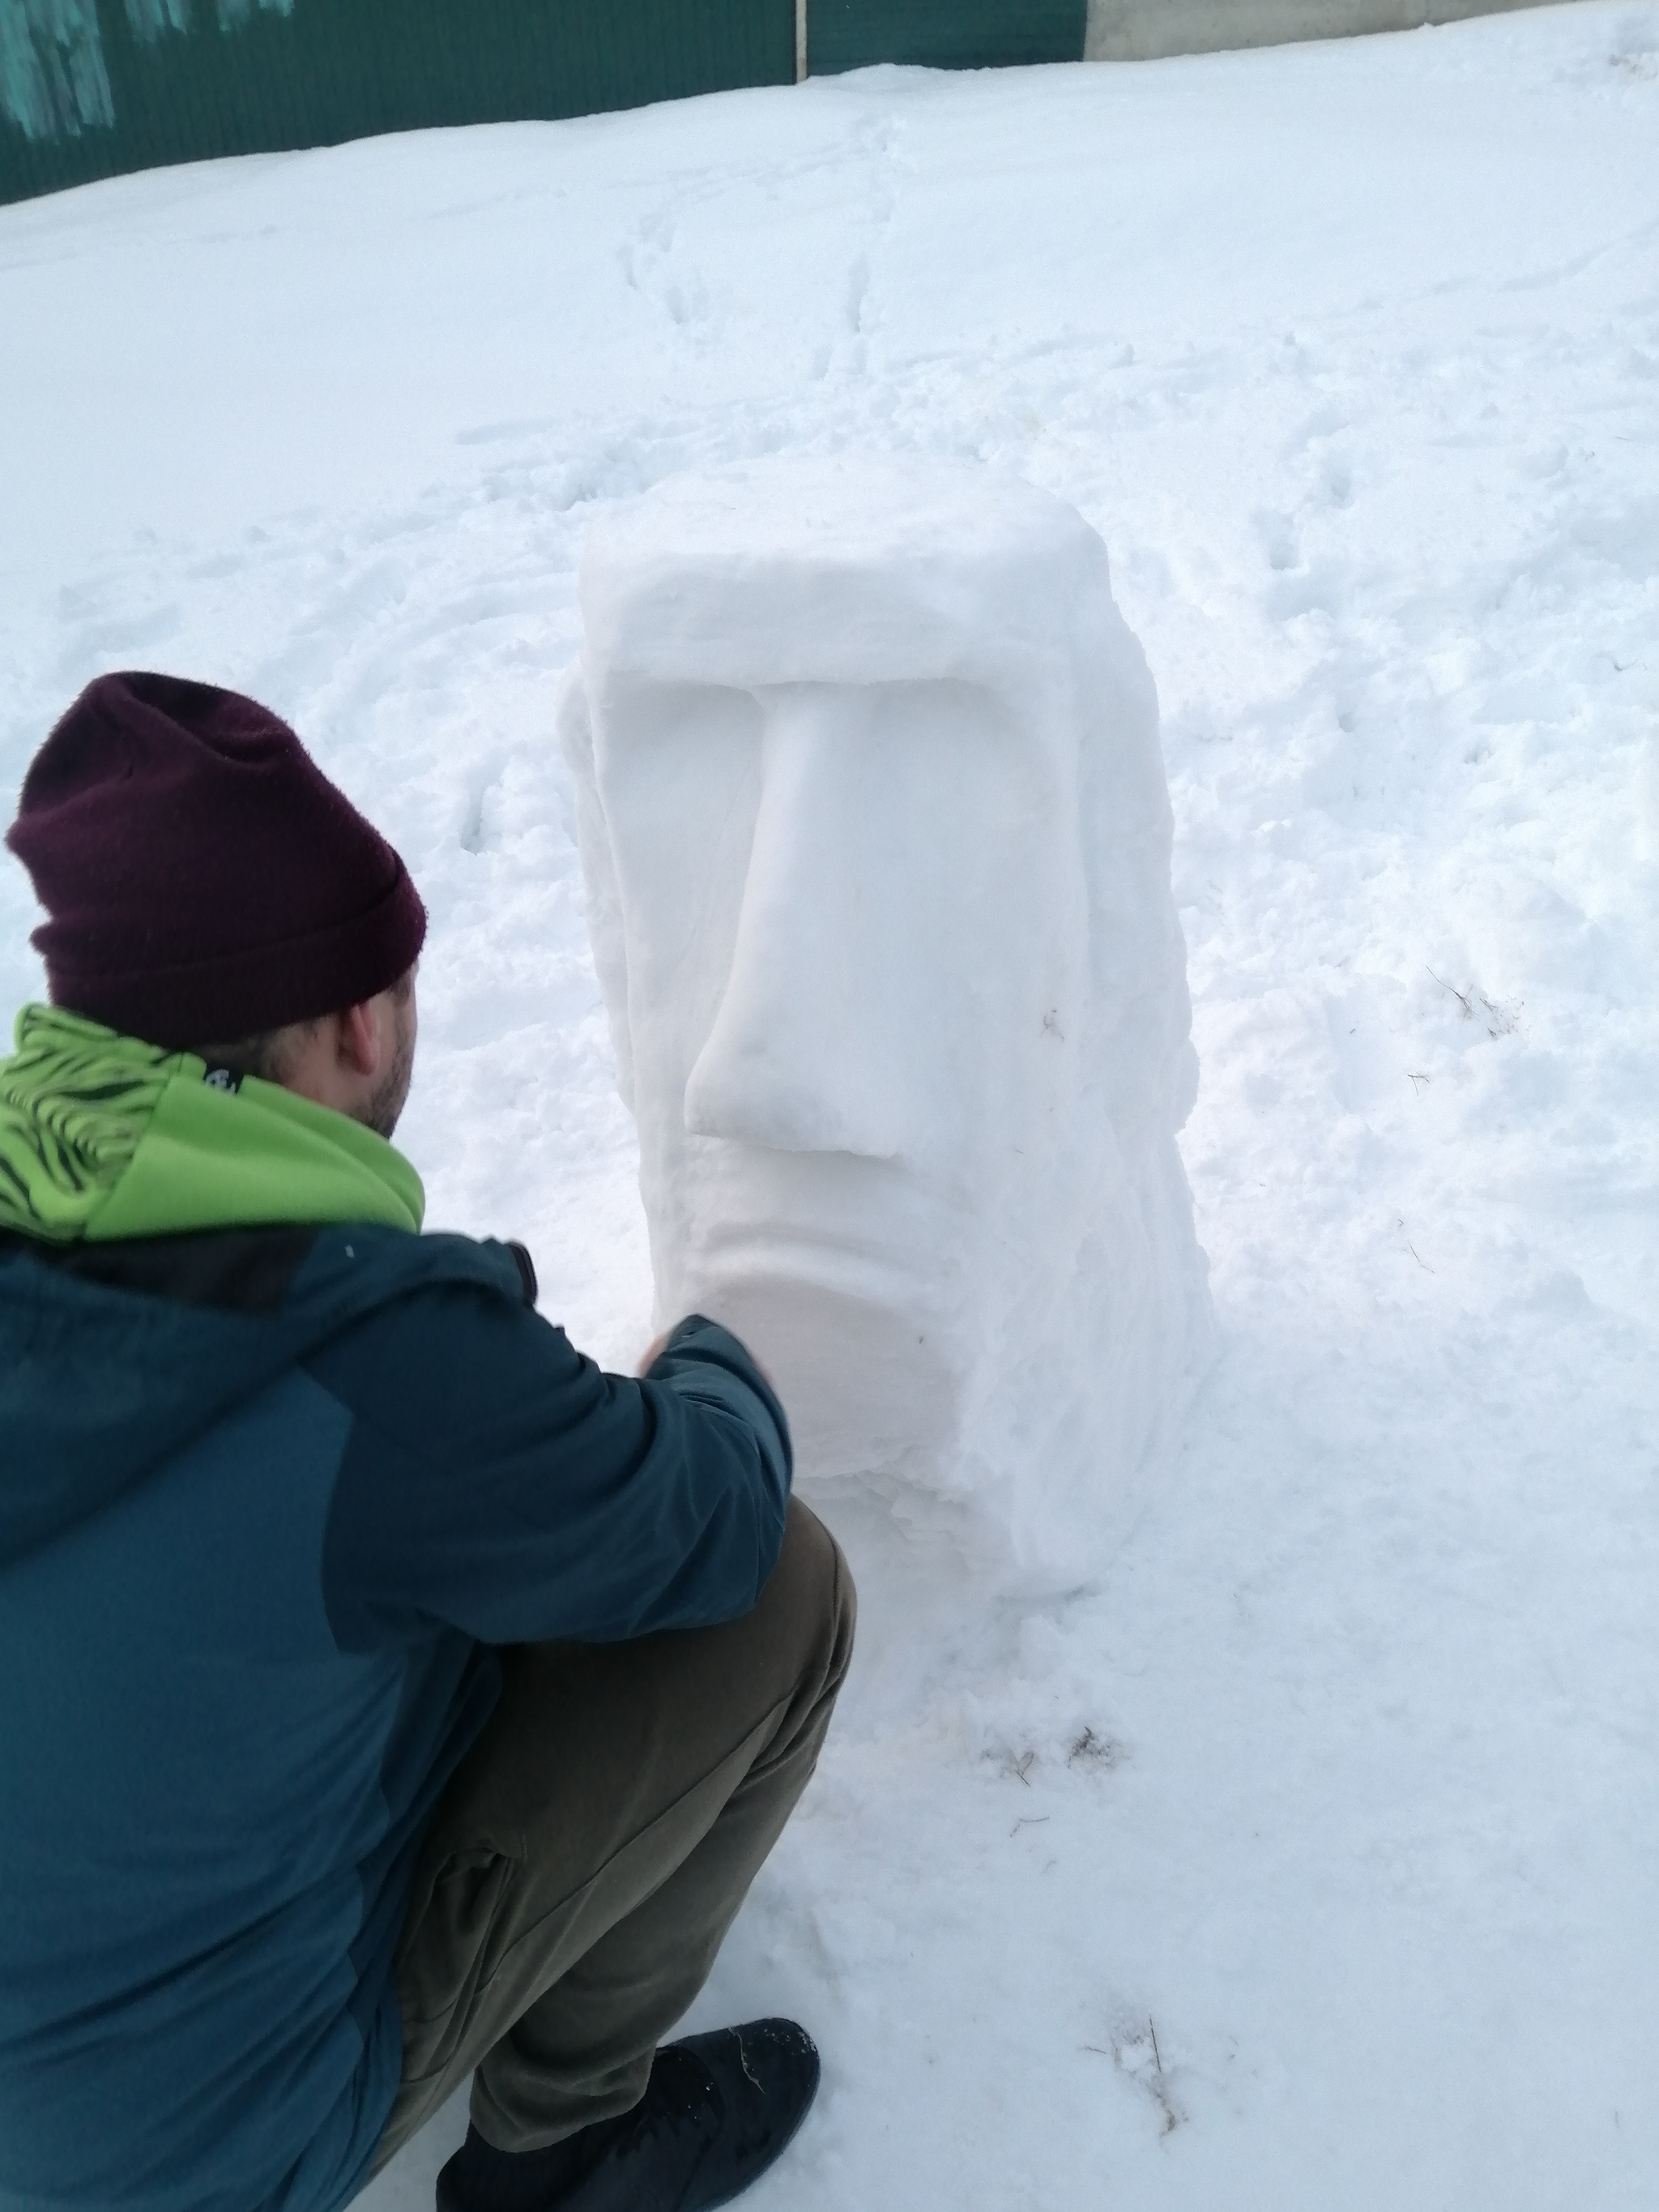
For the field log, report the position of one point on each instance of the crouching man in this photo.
(390, 1696)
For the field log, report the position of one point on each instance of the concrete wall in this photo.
(1143, 30)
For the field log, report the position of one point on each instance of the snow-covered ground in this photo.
(1311, 1859)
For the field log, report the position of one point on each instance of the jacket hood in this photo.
(104, 1137)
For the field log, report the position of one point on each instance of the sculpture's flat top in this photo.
(873, 565)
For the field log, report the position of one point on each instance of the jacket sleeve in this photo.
(497, 1482)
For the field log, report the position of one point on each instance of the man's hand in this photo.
(661, 1346)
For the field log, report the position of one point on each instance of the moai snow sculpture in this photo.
(876, 834)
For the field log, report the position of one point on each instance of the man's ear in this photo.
(359, 1039)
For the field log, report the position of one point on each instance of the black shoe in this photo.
(717, 2110)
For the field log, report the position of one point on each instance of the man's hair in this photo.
(267, 1054)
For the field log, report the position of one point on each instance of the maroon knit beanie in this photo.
(203, 880)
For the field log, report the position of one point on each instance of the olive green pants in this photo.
(591, 1850)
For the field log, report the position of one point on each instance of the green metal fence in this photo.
(93, 87)
(843, 35)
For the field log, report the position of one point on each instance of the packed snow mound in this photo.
(876, 835)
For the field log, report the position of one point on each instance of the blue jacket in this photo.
(269, 1498)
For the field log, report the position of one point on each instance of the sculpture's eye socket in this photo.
(679, 770)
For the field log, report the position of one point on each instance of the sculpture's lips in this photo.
(869, 1265)
(862, 1227)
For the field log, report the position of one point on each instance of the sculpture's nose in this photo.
(805, 1052)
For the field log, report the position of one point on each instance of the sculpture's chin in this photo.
(867, 1388)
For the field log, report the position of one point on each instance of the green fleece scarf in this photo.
(104, 1137)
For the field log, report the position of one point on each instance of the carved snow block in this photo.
(876, 835)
